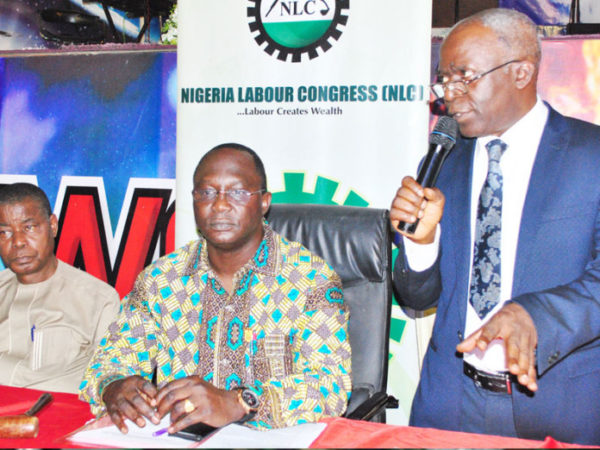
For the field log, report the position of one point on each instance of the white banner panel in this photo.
(331, 94)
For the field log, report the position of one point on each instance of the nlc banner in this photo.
(332, 94)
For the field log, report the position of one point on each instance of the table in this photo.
(344, 433)
(66, 413)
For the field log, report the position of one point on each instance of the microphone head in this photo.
(444, 133)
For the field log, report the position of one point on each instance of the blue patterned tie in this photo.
(485, 276)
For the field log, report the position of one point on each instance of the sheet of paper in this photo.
(104, 434)
(110, 436)
(238, 436)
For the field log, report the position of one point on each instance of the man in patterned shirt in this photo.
(240, 326)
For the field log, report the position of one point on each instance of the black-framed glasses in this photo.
(461, 86)
(239, 196)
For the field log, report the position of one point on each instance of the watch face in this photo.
(250, 399)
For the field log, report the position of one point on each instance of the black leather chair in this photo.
(356, 242)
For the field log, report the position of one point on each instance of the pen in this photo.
(32, 330)
(160, 432)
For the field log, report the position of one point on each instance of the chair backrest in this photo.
(356, 242)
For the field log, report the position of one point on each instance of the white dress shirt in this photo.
(522, 140)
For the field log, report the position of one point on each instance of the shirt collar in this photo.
(531, 124)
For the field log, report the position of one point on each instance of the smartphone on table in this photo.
(196, 432)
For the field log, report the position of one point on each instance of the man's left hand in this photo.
(191, 400)
(514, 325)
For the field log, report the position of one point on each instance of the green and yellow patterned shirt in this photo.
(282, 331)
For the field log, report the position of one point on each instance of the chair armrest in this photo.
(372, 405)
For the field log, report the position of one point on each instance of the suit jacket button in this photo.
(552, 359)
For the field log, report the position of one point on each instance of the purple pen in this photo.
(160, 432)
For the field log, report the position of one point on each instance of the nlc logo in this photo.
(145, 230)
(296, 27)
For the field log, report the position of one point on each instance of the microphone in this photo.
(441, 141)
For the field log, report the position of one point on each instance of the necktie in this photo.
(485, 276)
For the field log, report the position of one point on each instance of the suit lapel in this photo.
(545, 170)
(461, 220)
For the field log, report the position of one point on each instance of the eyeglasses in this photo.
(461, 86)
(239, 196)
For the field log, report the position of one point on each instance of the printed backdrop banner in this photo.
(554, 12)
(542, 12)
(96, 132)
(332, 94)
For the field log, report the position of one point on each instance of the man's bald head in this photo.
(516, 32)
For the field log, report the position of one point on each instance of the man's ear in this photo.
(266, 202)
(53, 225)
(524, 74)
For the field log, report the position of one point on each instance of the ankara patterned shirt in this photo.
(282, 331)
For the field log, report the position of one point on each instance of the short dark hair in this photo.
(258, 164)
(17, 192)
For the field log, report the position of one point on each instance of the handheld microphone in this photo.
(441, 141)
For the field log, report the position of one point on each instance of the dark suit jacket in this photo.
(556, 279)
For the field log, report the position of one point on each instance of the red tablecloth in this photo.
(66, 413)
(344, 433)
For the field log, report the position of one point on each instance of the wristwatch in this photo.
(249, 401)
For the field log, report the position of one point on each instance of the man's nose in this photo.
(449, 94)
(18, 238)
(221, 201)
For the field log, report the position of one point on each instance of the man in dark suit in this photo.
(507, 248)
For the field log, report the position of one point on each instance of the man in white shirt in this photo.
(506, 247)
(52, 315)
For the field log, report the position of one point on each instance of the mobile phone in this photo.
(196, 432)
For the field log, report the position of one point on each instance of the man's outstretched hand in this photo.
(514, 326)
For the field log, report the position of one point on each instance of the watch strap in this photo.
(246, 417)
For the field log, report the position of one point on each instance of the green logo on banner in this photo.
(296, 27)
(323, 193)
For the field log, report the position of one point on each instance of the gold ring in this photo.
(188, 406)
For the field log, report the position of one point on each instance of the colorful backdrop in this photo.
(97, 132)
